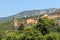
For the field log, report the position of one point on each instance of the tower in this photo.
(15, 23)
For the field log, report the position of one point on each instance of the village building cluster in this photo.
(55, 16)
(26, 22)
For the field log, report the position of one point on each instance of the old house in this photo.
(26, 22)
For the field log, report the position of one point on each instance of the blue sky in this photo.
(11, 7)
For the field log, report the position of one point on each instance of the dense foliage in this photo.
(45, 25)
(45, 29)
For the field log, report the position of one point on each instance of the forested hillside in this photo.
(45, 29)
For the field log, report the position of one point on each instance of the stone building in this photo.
(55, 16)
(26, 22)
(15, 23)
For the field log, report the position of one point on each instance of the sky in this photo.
(11, 7)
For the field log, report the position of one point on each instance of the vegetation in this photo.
(45, 29)
(45, 25)
(7, 25)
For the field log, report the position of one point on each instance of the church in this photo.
(26, 22)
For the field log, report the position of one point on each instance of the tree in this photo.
(32, 34)
(58, 28)
(53, 36)
(21, 27)
(45, 25)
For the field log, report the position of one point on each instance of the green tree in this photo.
(45, 25)
(58, 28)
(53, 36)
(21, 27)
(32, 34)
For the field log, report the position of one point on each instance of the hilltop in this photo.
(29, 13)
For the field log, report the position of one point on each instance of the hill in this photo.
(29, 13)
(6, 22)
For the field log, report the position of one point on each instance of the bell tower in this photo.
(15, 22)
